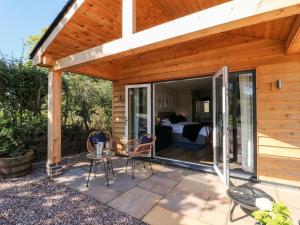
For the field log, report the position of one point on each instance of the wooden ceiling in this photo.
(99, 21)
(154, 12)
(95, 23)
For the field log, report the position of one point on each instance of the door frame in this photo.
(224, 173)
(149, 107)
(200, 166)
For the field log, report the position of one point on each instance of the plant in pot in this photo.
(15, 158)
(278, 214)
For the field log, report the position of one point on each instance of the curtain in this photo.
(246, 132)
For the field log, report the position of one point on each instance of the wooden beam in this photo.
(128, 17)
(105, 72)
(293, 41)
(37, 59)
(218, 19)
(47, 60)
(54, 117)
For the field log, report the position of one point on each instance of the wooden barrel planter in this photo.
(16, 167)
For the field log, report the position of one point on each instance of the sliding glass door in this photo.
(137, 110)
(220, 125)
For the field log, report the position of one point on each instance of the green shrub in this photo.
(279, 215)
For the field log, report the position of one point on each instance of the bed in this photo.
(178, 129)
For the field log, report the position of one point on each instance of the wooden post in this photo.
(54, 123)
(128, 17)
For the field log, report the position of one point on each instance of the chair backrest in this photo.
(108, 143)
(144, 149)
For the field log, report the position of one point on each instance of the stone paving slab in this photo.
(171, 195)
(124, 182)
(162, 216)
(103, 193)
(137, 202)
(185, 203)
(171, 173)
(158, 185)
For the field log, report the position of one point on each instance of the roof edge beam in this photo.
(291, 45)
(37, 59)
(228, 16)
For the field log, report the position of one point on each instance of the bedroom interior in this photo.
(183, 112)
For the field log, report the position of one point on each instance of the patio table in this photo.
(246, 196)
(104, 158)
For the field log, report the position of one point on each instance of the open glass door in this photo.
(137, 111)
(220, 122)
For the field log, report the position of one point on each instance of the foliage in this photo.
(23, 90)
(86, 105)
(279, 215)
(32, 40)
(87, 101)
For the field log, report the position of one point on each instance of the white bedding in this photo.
(178, 128)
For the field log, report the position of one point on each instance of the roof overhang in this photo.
(225, 17)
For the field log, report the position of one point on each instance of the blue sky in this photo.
(21, 18)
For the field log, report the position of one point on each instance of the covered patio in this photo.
(172, 195)
(137, 42)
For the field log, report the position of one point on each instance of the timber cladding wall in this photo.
(278, 123)
(118, 117)
(278, 111)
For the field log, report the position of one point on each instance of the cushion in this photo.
(146, 139)
(98, 137)
(93, 140)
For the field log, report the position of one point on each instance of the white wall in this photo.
(184, 103)
(165, 99)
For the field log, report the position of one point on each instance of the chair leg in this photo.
(87, 183)
(133, 165)
(144, 165)
(95, 172)
(105, 164)
(151, 167)
(126, 164)
(112, 168)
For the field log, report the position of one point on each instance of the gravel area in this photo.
(34, 199)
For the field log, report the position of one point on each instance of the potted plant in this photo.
(15, 158)
(278, 214)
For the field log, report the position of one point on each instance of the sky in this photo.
(21, 18)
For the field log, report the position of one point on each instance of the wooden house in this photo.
(231, 65)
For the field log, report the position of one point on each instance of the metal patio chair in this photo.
(136, 149)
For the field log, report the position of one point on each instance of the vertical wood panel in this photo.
(118, 118)
(54, 117)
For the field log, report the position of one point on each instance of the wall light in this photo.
(279, 84)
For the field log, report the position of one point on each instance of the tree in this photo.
(86, 104)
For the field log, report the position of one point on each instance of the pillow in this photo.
(166, 121)
(174, 118)
(146, 139)
(181, 118)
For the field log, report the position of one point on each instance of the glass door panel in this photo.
(241, 121)
(138, 111)
(220, 122)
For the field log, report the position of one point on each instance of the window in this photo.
(206, 106)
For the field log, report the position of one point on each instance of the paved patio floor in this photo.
(170, 196)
